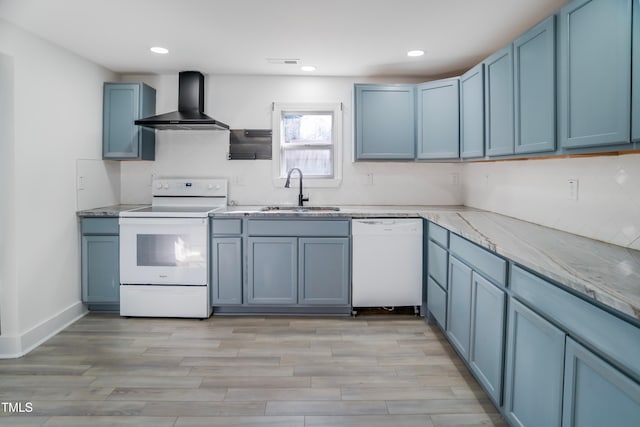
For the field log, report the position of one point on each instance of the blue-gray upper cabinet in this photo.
(595, 73)
(272, 270)
(534, 75)
(635, 84)
(534, 369)
(323, 271)
(122, 104)
(472, 113)
(438, 111)
(595, 393)
(385, 122)
(100, 261)
(498, 100)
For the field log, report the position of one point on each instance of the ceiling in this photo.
(339, 37)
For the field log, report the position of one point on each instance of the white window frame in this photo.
(334, 108)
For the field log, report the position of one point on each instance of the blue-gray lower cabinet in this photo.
(437, 302)
(595, 393)
(438, 124)
(272, 270)
(488, 314)
(534, 369)
(226, 270)
(498, 92)
(121, 138)
(472, 113)
(459, 306)
(323, 266)
(384, 122)
(534, 77)
(594, 73)
(100, 263)
(635, 78)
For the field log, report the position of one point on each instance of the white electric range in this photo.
(164, 249)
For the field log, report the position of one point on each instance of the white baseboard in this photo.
(16, 346)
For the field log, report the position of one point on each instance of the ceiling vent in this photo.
(284, 61)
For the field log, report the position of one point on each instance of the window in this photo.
(308, 137)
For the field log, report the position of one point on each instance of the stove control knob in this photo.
(165, 186)
(210, 186)
(158, 185)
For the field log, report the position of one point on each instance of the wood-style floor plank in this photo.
(106, 370)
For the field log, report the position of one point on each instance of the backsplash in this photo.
(608, 194)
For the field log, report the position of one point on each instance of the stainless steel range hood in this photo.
(190, 114)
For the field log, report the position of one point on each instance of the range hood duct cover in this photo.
(190, 114)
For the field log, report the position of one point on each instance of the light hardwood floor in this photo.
(245, 371)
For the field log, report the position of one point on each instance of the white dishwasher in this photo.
(387, 262)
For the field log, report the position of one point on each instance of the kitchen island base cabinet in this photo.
(100, 261)
(534, 369)
(595, 393)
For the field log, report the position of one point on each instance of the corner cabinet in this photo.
(595, 73)
(534, 75)
(472, 113)
(498, 90)
(384, 122)
(438, 110)
(100, 263)
(123, 103)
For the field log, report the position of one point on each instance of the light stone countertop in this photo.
(598, 271)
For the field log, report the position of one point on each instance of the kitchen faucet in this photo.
(301, 198)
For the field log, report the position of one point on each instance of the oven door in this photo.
(163, 251)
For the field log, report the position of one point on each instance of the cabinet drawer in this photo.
(610, 335)
(480, 259)
(107, 225)
(437, 302)
(226, 226)
(298, 228)
(439, 234)
(437, 264)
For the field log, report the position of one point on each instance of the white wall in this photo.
(57, 119)
(608, 205)
(244, 102)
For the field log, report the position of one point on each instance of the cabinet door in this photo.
(472, 113)
(595, 393)
(273, 270)
(438, 112)
(499, 102)
(534, 75)
(437, 302)
(487, 335)
(385, 122)
(324, 271)
(121, 107)
(459, 306)
(437, 263)
(635, 84)
(595, 72)
(226, 270)
(100, 269)
(534, 372)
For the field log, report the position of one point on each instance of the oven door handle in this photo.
(162, 221)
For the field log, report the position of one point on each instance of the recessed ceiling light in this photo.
(416, 52)
(160, 50)
(308, 68)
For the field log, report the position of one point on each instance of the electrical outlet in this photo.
(573, 189)
(368, 179)
(455, 179)
(81, 182)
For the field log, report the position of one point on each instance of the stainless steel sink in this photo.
(300, 209)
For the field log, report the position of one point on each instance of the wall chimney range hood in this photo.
(190, 114)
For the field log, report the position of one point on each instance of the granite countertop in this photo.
(600, 271)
